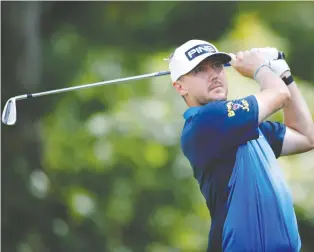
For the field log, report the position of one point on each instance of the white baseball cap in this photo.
(190, 54)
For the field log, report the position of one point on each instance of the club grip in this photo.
(281, 55)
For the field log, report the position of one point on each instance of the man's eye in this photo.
(199, 69)
(218, 65)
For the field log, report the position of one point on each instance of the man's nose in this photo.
(212, 75)
(215, 73)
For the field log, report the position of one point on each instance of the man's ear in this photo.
(178, 85)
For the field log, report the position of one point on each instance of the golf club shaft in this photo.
(9, 113)
(138, 77)
(62, 90)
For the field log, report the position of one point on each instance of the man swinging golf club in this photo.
(233, 150)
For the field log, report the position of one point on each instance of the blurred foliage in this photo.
(101, 169)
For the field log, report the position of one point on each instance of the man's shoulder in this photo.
(201, 120)
(196, 132)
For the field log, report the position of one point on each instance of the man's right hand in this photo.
(247, 62)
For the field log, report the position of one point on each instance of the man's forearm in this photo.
(274, 93)
(297, 114)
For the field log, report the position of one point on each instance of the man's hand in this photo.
(280, 67)
(247, 62)
(268, 53)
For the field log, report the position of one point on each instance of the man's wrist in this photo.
(288, 80)
(285, 74)
(286, 77)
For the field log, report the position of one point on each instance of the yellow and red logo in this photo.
(232, 107)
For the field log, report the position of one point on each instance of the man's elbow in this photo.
(286, 96)
(286, 93)
(311, 137)
(310, 147)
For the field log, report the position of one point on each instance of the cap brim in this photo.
(220, 56)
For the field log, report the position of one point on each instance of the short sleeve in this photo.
(231, 123)
(274, 132)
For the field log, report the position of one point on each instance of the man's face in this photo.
(206, 82)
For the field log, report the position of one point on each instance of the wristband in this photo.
(288, 80)
(257, 70)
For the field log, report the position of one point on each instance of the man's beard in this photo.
(206, 100)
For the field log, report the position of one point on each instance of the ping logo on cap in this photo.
(199, 50)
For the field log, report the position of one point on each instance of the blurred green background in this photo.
(101, 169)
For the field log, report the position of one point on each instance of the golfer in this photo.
(232, 149)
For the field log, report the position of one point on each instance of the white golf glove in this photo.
(279, 66)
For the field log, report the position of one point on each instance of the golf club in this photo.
(9, 114)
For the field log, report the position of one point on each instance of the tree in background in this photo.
(101, 169)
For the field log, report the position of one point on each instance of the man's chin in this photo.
(219, 97)
(218, 94)
(214, 97)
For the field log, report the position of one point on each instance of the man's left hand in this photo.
(280, 67)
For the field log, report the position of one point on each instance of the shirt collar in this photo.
(190, 112)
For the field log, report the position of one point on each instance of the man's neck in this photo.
(192, 103)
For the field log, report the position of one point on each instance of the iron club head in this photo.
(9, 112)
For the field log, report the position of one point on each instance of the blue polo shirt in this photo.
(235, 163)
